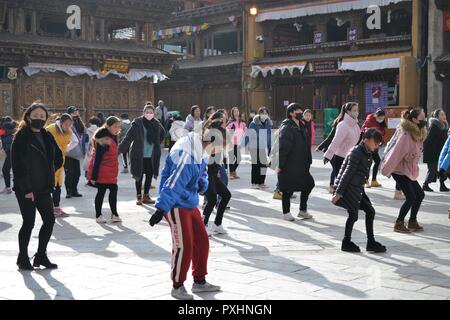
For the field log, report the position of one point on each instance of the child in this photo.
(104, 167)
(183, 177)
(349, 194)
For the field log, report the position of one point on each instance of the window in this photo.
(54, 26)
(398, 23)
(337, 30)
(223, 43)
(28, 23)
(185, 48)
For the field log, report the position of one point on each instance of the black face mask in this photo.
(37, 124)
(422, 124)
(299, 116)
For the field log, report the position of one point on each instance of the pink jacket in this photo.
(403, 158)
(346, 137)
(239, 128)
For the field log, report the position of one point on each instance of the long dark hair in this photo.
(232, 114)
(25, 121)
(344, 109)
(436, 113)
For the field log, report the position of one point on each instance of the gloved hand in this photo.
(156, 217)
(325, 160)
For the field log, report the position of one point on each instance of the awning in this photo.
(76, 70)
(372, 63)
(265, 69)
(322, 7)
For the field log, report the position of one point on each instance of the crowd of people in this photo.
(205, 151)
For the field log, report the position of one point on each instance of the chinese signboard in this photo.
(325, 67)
(121, 66)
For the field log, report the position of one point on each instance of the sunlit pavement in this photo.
(262, 257)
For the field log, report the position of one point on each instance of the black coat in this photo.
(134, 141)
(433, 144)
(294, 158)
(33, 167)
(352, 176)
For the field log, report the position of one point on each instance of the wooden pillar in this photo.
(138, 32)
(102, 30)
(148, 35)
(409, 79)
(11, 18)
(20, 21)
(199, 47)
(33, 22)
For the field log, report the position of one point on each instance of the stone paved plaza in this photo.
(262, 257)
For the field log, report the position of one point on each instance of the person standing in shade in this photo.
(177, 131)
(183, 178)
(350, 192)
(402, 162)
(9, 127)
(104, 168)
(347, 136)
(294, 163)
(432, 146)
(161, 113)
(259, 141)
(144, 140)
(62, 133)
(194, 119)
(124, 127)
(238, 128)
(35, 158)
(72, 166)
(377, 121)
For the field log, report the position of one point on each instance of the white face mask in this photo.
(355, 115)
(264, 117)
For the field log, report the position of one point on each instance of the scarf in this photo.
(152, 128)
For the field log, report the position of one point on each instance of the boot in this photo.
(349, 246)
(42, 260)
(444, 187)
(427, 188)
(147, 199)
(139, 200)
(376, 247)
(23, 262)
(414, 226)
(233, 176)
(368, 185)
(375, 184)
(277, 195)
(401, 228)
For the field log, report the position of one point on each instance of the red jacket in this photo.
(104, 164)
(371, 122)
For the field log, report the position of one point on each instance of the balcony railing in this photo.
(337, 44)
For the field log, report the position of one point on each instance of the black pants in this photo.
(125, 159)
(259, 166)
(147, 170)
(366, 206)
(235, 158)
(414, 196)
(101, 190)
(336, 163)
(433, 174)
(57, 196)
(376, 165)
(43, 203)
(216, 188)
(286, 201)
(7, 169)
(73, 172)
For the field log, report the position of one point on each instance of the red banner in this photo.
(446, 21)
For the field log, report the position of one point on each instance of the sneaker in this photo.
(6, 191)
(77, 195)
(263, 186)
(139, 200)
(349, 246)
(414, 226)
(398, 195)
(181, 294)
(304, 215)
(427, 188)
(255, 186)
(63, 213)
(124, 170)
(56, 212)
(218, 229)
(375, 247)
(375, 184)
(277, 195)
(401, 228)
(444, 188)
(115, 218)
(100, 219)
(205, 287)
(288, 217)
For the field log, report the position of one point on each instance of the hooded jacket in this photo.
(404, 156)
(104, 163)
(62, 140)
(184, 175)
